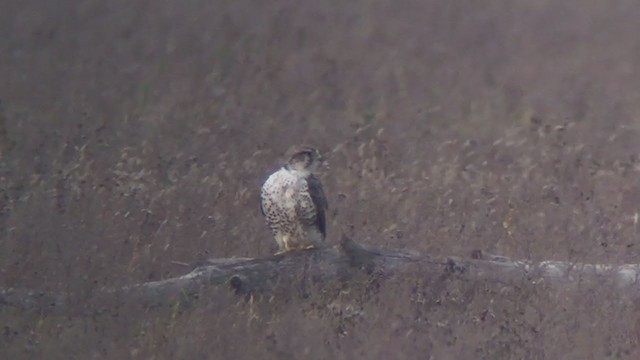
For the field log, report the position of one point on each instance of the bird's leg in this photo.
(285, 247)
(282, 241)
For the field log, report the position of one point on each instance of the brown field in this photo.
(136, 134)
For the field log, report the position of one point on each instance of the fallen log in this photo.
(318, 266)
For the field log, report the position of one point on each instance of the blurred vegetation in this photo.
(134, 135)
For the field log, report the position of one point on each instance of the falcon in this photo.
(293, 202)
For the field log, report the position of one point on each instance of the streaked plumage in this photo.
(294, 204)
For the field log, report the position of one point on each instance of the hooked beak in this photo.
(324, 164)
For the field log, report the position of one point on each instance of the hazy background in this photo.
(136, 134)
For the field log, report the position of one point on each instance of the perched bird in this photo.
(293, 202)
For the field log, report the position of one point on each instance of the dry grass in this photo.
(134, 134)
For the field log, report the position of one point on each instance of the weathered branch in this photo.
(340, 262)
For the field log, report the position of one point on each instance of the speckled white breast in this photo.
(281, 202)
(278, 199)
(279, 188)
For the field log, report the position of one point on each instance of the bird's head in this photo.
(304, 160)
